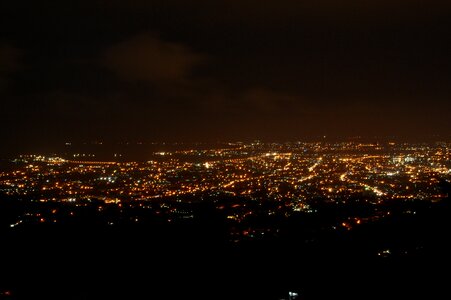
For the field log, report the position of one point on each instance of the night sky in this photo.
(177, 70)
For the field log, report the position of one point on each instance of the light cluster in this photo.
(296, 171)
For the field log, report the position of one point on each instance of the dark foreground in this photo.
(196, 260)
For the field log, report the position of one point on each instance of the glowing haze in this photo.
(229, 70)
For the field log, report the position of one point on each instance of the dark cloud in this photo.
(149, 59)
(9, 58)
(9, 63)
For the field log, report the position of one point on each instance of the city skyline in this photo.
(298, 172)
